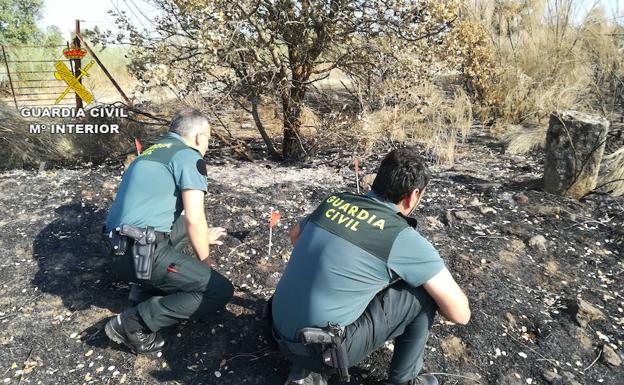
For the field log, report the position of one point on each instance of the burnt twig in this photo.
(24, 365)
(594, 361)
(584, 223)
(456, 376)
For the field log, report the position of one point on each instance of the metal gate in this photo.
(31, 75)
(27, 76)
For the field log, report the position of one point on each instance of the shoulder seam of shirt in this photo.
(398, 235)
(172, 163)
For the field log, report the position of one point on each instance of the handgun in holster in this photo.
(334, 352)
(143, 248)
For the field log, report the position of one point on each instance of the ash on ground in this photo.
(544, 275)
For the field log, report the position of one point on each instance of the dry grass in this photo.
(611, 177)
(545, 61)
(18, 148)
(521, 139)
(410, 113)
(271, 117)
(116, 62)
(21, 149)
(436, 123)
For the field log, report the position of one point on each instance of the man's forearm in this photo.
(198, 234)
(446, 313)
(450, 298)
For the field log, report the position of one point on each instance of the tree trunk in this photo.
(267, 140)
(293, 144)
(292, 103)
(293, 149)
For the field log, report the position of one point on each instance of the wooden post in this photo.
(108, 74)
(6, 61)
(77, 63)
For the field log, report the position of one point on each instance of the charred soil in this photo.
(545, 275)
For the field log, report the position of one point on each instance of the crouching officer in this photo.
(361, 274)
(148, 233)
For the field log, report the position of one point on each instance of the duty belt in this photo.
(159, 235)
(142, 241)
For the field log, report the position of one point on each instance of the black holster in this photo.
(143, 242)
(334, 352)
(143, 249)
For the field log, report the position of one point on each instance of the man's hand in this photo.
(451, 300)
(214, 233)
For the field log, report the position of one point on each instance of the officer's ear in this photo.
(421, 192)
(414, 198)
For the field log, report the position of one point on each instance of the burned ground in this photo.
(544, 275)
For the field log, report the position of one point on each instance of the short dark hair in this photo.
(189, 122)
(402, 171)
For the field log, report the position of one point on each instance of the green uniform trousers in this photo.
(402, 313)
(183, 286)
(399, 312)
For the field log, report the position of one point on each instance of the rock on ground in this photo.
(585, 312)
(574, 147)
(611, 356)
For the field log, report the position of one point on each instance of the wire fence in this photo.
(27, 76)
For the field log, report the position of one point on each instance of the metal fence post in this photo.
(106, 72)
(6, 62)
(77, 63)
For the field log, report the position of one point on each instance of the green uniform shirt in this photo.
(150, 193)
(350, 248)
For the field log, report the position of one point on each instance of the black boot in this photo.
(126, 328)
(301, 376)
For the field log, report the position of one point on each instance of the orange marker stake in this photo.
(138, 145)
(275, 216)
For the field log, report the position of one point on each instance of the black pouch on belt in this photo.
(333, 350)
(143, 248)
(116, 243)
(337, 358)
